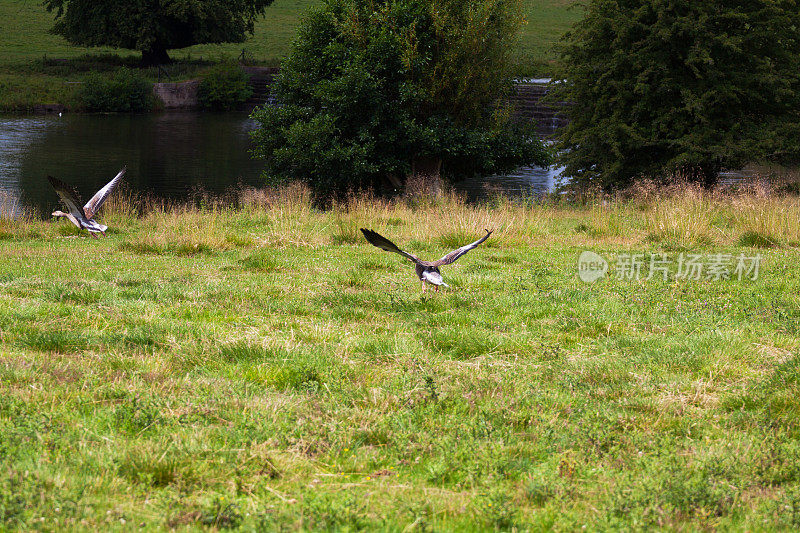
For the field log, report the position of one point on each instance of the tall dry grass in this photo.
(684, 215)
(680, 215)
(10, 205)
(689, 215)
(12, 214)
(770, 219)
(448, 219)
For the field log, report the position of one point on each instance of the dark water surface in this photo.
(168, 155)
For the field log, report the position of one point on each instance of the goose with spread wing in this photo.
(427, 271)
(83, 217)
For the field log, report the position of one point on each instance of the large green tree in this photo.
(376, 90)
(154, 26)
(665, 87)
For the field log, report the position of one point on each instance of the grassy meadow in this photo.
(36, 66)
(264, 368)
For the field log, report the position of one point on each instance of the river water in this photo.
(168, 155)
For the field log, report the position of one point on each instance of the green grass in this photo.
(25, 34)
(35, 65)
(251, 369)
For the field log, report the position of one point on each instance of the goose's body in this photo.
(427, 271)
(83, 217)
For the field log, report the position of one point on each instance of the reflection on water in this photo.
(524, 182)
(167, 155)
(15, 137)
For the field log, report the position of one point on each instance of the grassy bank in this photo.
(264, 367)
(35, 66)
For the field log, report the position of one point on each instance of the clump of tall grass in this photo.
(294, 196)
(185, 230)
(286, 214)
(123, 206)
(350, 216)
(453, 220)
(347, 225)
(765, 220)
(10, 206)
(365, 210)
(684, 215)
(13, 215)
(609, 219)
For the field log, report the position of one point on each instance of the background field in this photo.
(25, 25)
(265, 368)
(36, 67)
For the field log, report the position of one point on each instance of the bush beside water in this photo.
(125, 92)
(224, 88)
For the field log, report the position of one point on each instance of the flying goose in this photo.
(427, 271)
(84, 217)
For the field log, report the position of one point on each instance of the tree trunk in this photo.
(706, 174)
(156, 55)
(425, 176)
(710, 177)
(396, 182)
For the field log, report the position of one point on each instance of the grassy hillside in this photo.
(25, 34)
(266, 369)
(35, 66)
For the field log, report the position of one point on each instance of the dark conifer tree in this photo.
(660, 87)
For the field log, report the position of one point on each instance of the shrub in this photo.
(125, 92)
(374, 91)
(224, 88)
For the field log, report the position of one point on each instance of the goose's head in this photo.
(59, 213)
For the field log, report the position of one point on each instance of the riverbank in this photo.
(51, 85)
(264, 367)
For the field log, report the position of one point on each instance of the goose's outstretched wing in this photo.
(385, 244)
(455, 254)
(69, 197)
(93, 205)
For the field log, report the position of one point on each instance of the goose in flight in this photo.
(427, 271)
(83, 217)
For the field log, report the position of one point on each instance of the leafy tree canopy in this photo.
(660, 87)
(154, 26)
(374, 88)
